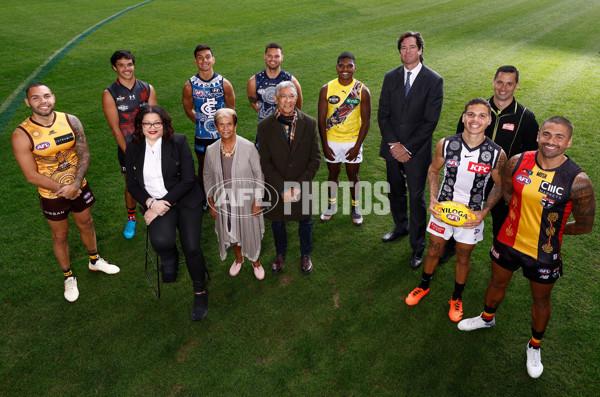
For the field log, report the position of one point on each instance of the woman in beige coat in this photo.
(234, 186)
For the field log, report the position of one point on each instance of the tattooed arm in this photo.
(507, 186)
(433, 177)
(495, 193)
(584, 206)
(73, 190)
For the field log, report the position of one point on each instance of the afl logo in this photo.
(87, 195)
(452, 163)
(523, 179)
(42, 146)
(453, 217)
(334, 99)
(544, 271)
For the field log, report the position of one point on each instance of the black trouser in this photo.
(163, 234)
(408, 178)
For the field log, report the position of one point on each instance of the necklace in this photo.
(227, 154)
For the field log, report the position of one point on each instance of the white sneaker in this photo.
(103, 266)
(534, 362)
(474, 323)
(71, 291)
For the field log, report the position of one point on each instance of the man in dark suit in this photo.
(290, 158)
(409, 110)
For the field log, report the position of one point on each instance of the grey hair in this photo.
(285, 84)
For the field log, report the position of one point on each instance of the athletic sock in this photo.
(536, 338)
(68, 273)
(332, 201)
(425, 279)
(355, 204)
(131, 214)
(488, 313)
(93, 256)
(458, 290)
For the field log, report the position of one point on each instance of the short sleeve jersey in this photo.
(53, 150)
(539, 208)
(209, 96)
(265, 91)
(129, 102)
(467, 170)
(343, 111)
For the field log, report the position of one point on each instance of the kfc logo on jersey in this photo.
(452, 163)
(479, 168)
(508, 126)
(42, 146)
(523, 179)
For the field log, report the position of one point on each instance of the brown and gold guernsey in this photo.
(53, 150)
(539, 208)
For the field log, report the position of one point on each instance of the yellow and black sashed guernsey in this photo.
(53, 150)
(539, 208)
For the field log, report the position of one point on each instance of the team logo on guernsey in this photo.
(334, 99)
(42, 146)
(479, 168)
(452, 163)
(547, 202)
(523, 179)
(508, 127)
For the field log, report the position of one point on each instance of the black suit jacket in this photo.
(411, 120)
(281, 164)
(178, 170)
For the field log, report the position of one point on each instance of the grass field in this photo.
(344, 329)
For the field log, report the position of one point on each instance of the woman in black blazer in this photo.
(162, 178)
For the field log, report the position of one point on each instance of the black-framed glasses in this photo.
(158, 124)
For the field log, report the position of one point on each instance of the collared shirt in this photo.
(413, 73)
(153, 178)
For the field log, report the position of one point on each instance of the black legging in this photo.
(162, 236)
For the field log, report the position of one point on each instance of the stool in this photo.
(155, 265)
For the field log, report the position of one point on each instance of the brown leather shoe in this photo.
(277, 265)
(306, 264)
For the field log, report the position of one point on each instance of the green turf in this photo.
(344, 329)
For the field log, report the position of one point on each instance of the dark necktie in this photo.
(407, 84)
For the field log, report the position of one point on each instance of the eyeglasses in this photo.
(158, 124)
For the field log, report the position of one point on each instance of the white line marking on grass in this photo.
(61, 52)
